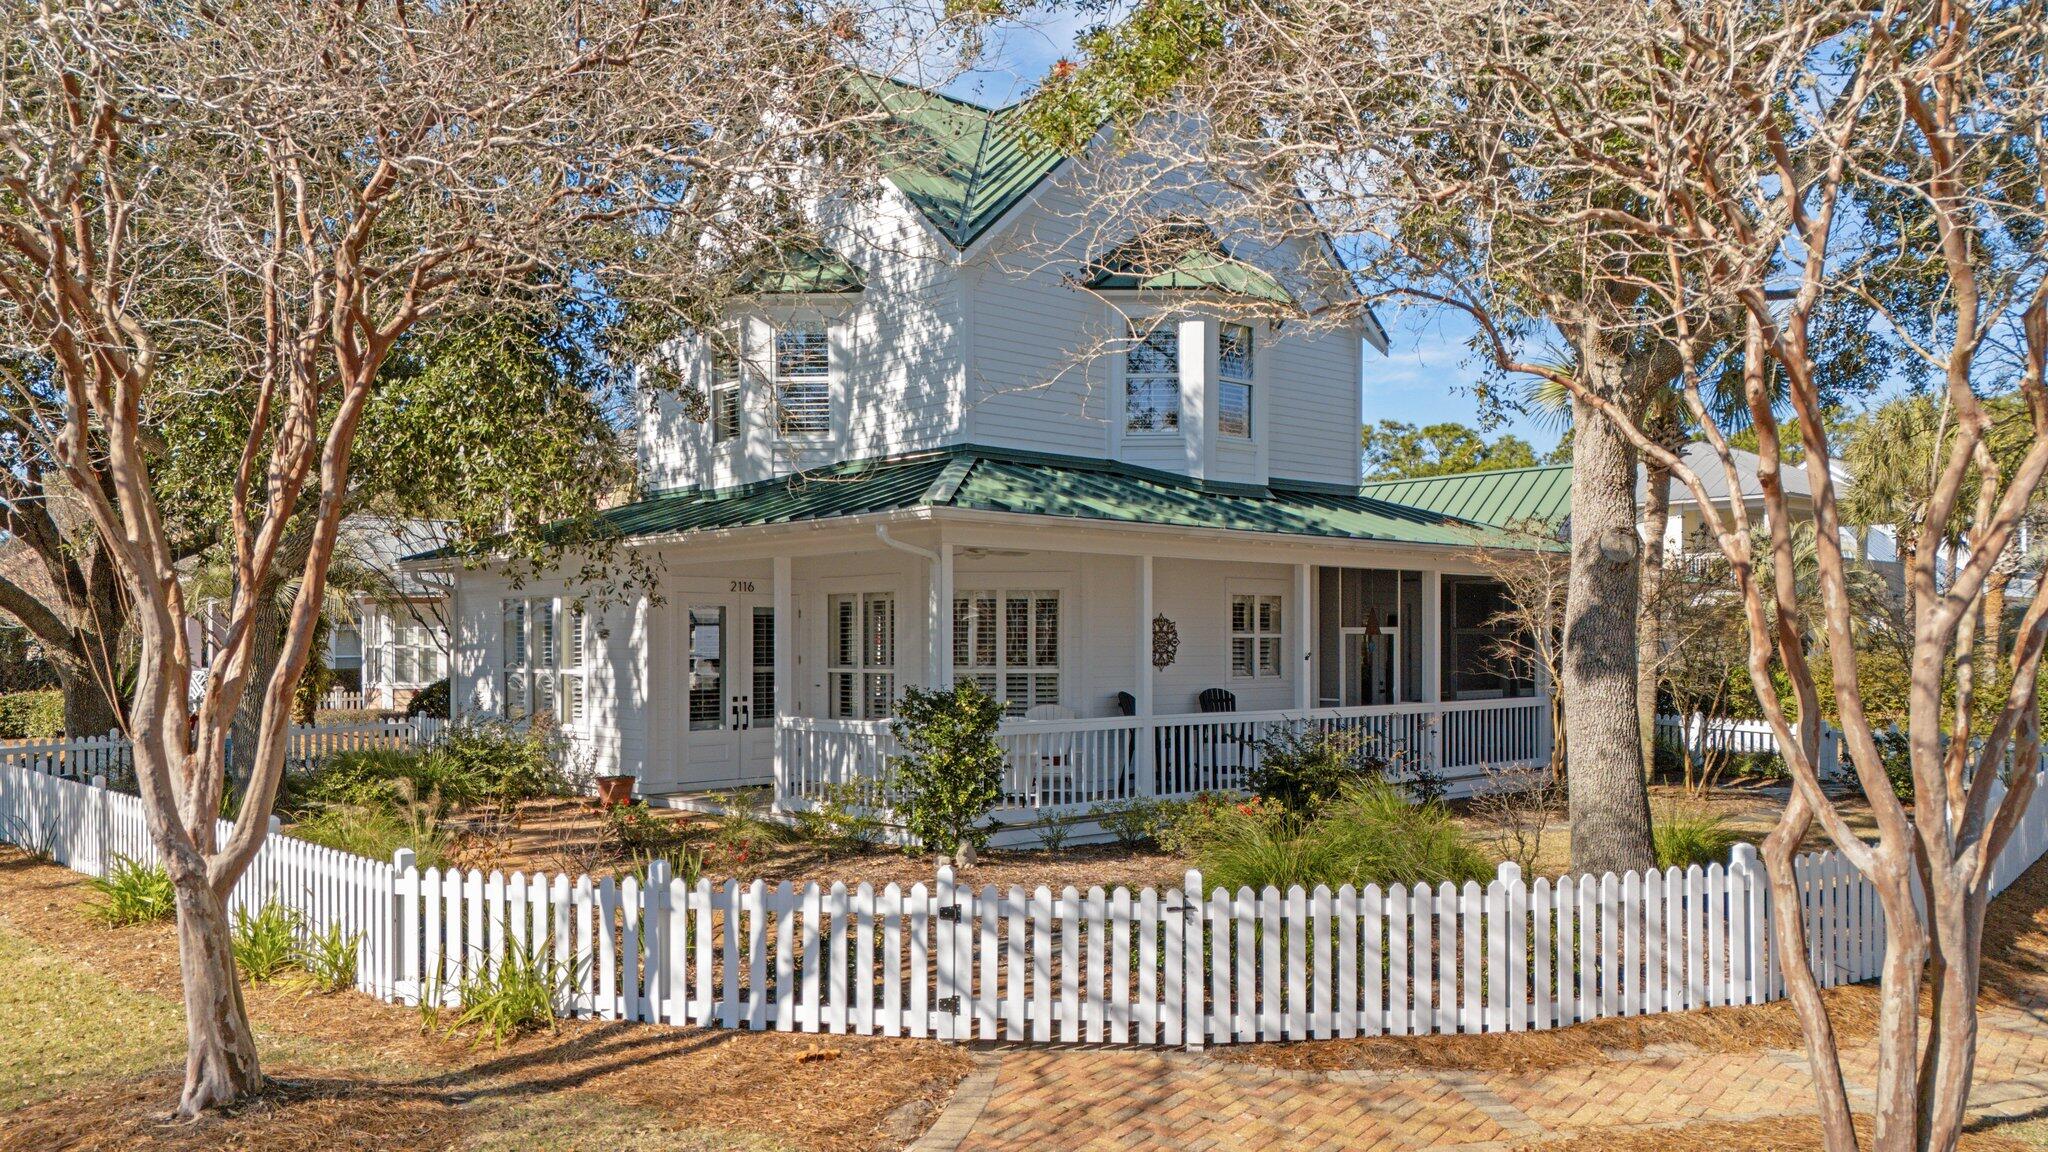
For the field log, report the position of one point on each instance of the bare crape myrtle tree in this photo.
(282, 194)
(1707, 179)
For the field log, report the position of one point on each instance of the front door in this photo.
(1371, 673)
(728, 692)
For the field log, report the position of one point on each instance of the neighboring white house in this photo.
(895, 467)
(397, 634)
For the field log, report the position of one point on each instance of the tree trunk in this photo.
(1649, 615)
(1610, 806)
(89, 710)
(220, 1062)
(266, 647)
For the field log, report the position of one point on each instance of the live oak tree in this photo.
(286, 194)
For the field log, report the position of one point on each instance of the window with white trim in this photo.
(1152, 379)
(860, 665)
(803, 387)
(544, 656)
(1234, 380)
(725, 392)
(1009, 643)
(1255, 636)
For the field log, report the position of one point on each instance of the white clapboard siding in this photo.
(1185, 966)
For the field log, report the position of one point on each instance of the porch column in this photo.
(785, 668)
(1432, 622)
(1304, 637)
(1141, 684)
(938, 658)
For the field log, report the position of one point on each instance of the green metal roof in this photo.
(1500, 499)
(1060, 487)
(961, 164)
(806, 269)
(1184, 257)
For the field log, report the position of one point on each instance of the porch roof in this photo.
(979, 479)
(1500, 499)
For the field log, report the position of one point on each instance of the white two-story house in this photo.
(1112, 484)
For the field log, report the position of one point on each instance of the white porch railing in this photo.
(1073, 765)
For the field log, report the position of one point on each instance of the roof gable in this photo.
(964, 166)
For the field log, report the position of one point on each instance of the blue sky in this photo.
(1427, 374)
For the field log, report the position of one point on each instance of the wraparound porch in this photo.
(1068, 767)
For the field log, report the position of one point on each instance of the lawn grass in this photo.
(68, 1025)
(94, 1052)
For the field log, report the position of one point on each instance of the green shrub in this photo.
(132, 893)
(1895, 750)
(1301, 767)
(950, 775)
(376, 832)
(1685, 840)
(266, 944)
(1055, 829)
(846, 819)
(504, 763)
(431, 701)
(1370, 834)
(1185, 825)
(328, 959)
(518, 996)
(1134, 823)
(32, 715)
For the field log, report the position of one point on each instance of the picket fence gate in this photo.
(1183, 966)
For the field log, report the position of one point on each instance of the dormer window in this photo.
(1152, 380)
(725, 395)
(803, 389)
(1234, 380)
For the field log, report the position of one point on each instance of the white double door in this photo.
(725, 704)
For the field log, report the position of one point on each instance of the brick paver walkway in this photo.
(1039, 1100)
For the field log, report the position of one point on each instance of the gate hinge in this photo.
(950, 912)
(950, 1004)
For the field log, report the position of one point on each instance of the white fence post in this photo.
(1196, 1025)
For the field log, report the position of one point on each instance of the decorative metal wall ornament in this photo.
(1165, 641)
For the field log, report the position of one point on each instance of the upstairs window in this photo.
(803, 389)
(725, 394)
(1234, 380)
(1152, 380)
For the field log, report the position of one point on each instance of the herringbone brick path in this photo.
(1043, 1100)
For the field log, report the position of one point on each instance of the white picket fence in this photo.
(1184, 966)
(109, 755)
(1698, 734)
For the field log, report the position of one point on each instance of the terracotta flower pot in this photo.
(612, 791)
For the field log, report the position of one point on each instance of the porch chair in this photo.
(1054, 778)
(1217, 756)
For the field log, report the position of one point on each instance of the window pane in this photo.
(1152, 380)
(1240, 614)
(985, 633)
(725, 414)
(1151, 404)
(764, 663)
(1234, 409)
(881, 630)
(1241, 656)
(1234, 351)
(1016, 632)
(515, 695)
(515, 633)
(881, 692)
(1154, 353)
(572, 693)
(844, 632)
(544, 632)
(963, 630)
(1269, 614)
(803, 393)
(844, 702)
(803, 409)
(801, 350)
(578, 625)
(1269, 657)
(707, 668)
(1045, 623)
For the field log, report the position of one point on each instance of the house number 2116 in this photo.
(742, 586)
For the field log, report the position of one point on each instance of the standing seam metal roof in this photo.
(1499, 499)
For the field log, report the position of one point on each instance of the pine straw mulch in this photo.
(565, 836)
(396, 1086)
(2015, 975)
